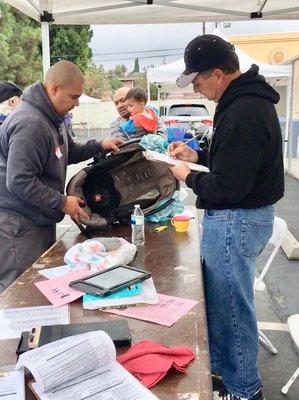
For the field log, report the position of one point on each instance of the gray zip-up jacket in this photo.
(35, 150)
(115, 130)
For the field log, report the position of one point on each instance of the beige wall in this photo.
(97, 115)
(270, 48)
(100, 115)
(296, 90)
(274, 49)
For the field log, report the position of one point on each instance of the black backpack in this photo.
(114, 183)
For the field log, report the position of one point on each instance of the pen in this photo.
(190, 140)
(185, 143)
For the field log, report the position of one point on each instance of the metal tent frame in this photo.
(156, 11)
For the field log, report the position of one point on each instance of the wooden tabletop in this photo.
(173, 260)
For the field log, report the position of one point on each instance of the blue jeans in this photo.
(231, 241)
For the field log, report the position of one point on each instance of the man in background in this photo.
(35, 149)
(115, 129)
(10, 98)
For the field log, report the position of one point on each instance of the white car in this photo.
(195, 118)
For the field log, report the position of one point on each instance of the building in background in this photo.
(275, 49)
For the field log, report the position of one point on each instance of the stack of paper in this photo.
(16, 320)
(155, 156)
(12, 385)
(143, 293)
(81, 367)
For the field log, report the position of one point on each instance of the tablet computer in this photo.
(110, 280)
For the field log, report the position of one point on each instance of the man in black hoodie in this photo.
(246, 178)
(35, 149)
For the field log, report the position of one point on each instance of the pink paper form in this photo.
(58, 291)
(168, 311)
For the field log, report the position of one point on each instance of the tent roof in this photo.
(170, 72)
(161, 11)
(84, 99)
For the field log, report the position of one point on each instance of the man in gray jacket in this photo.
(115, 130)
(35, 150)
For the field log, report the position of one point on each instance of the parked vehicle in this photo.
(195, 118)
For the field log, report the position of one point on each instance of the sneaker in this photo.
(218, 386)
(257, 396)
(223, 394)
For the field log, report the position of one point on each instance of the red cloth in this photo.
(150, 361)
(142, 121)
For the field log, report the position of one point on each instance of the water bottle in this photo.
(137, 223)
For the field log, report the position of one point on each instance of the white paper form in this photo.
(116, 383)
(12, 385)
(81, 367)
(55, 272)
(155, 156)
(14, 321)
(59, 362)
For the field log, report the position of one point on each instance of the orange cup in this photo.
(180, 223)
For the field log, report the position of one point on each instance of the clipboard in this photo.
(30, 384)
(118, 331)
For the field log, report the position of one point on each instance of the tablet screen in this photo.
(114, 277)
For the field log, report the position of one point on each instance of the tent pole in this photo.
(289, 117)
(87, 117)
(148, 90)
(45, 46)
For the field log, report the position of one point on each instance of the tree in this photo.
(142, 83)
(136, 66)
(115, 75)
(70, 42)
(19, 47)
(96, 83)
(120, 70)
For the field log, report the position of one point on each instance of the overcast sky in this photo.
(163, 43)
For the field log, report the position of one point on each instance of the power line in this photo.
(124, 52)
(137, 51)
(140, 58)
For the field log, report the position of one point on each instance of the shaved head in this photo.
(64, 85)
(119, 99)
(121, 92)
(65, 73)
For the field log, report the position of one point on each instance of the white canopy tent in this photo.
(155, 11)
(149, 12)
(169, 72)
(84, 99)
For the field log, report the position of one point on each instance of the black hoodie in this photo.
(245, 156)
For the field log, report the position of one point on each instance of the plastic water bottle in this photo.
(137, 223)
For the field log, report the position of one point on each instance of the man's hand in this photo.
(111, 144)
(181, 171)
(182, 152)
(72, 208)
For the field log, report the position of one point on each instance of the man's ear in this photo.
(54, 88)
(11, 102)
(14, 101)
(218, 73)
